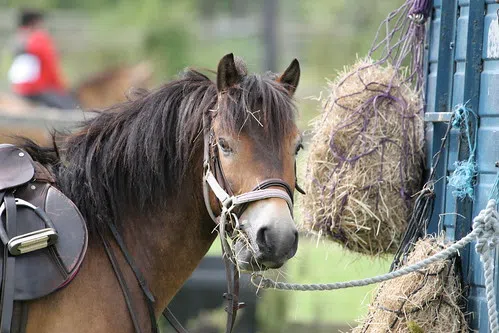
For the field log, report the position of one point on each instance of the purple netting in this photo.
(365, 161)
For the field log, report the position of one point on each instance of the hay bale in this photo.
(365, 160)
(425, 301)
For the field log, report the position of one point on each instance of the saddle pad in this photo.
(16, 167)
(42, 272)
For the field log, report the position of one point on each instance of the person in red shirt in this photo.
(35, 72)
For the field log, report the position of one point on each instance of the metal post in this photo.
(270, 34)
(443, 92)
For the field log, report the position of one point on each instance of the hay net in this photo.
(428, 300)
(365, 162)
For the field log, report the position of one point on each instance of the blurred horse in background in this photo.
(98, 91)
(111, 86)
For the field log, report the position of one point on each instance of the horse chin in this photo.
(246, 260)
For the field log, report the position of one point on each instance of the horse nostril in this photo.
(261, 237)
(294, 248)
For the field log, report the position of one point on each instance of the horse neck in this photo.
(166, 248)
(173, 243)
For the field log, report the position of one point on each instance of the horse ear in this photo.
(291, 77)
(227, 74)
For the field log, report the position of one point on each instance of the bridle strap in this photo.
(170, 317)
(219, 192)
(149, 298)
(265, 190)
(122, 282)
(257, 195)
(232, 277)
(261, 192)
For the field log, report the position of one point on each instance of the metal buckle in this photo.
(228, 204)
(32, 241)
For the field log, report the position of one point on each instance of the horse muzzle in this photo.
(270, 237)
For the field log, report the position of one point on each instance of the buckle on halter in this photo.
(228, 205)
(206, 166)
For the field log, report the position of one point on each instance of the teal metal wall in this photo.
(463, 66)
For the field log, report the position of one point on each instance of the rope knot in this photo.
(487, 222)
(259, 281)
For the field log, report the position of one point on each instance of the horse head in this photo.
(255, 139)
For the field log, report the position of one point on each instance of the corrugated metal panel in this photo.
(470, 74)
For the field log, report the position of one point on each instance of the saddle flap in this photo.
(16, 165)
(46, 270)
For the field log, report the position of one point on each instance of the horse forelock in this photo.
(259, 107)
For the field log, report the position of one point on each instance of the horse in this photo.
(97, 91)
(139, 167)
(110, 87)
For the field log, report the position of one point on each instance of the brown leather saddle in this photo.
(44, 235)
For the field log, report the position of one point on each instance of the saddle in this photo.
(44, 236)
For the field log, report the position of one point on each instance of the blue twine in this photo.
(462, 177)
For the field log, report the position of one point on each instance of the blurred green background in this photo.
(324, 35)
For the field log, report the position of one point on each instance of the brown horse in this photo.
(139, 166)
(111, 86)
(98, 91)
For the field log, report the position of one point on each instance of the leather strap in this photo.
(232, 277)
(20, 317)
(138, 275)
(129, 259)
(142, 283)
(297, 186)
(170, 317)
(215, 187)
(8, 278)
(122, 282)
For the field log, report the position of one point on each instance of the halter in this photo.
(232, 207)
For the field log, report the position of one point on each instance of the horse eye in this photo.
(298, 148)
(224, 146)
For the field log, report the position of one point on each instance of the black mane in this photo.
(138, 153)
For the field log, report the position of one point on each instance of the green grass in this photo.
(327, 262)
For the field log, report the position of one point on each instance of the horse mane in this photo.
(134, 155)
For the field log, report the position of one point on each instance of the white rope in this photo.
(485, 231)
(488, 220)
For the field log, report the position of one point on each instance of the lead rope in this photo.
(485, 232)
(488, 219)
